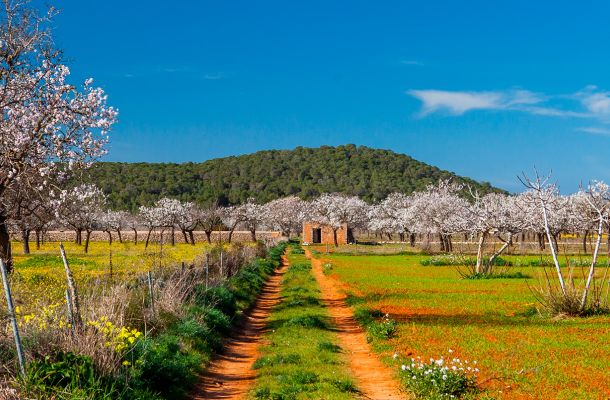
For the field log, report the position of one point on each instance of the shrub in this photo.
(70, 374)
(501, 275)
(384, 329)
(440, 378)
(457, 260)
(327, 268)
(164, 367)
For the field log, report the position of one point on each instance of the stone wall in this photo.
(238, 236)
(326, 231)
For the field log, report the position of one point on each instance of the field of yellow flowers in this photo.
(39, 279)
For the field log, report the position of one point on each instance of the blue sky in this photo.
(484, 89)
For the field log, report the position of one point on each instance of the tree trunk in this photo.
(608, 242)
(478, 267)
(186, 239)
(509, 241)
(87, 241)
(584, 242)
(412, 239)
(540, 241)
(555, 241)
(135, 236)
(598, 240)
(192, 236)
(79, 240)
(147, 238)
(442, 241)
(173, 236)
(5, 244)
(253, 234)
(522, 243)
(335, 237)
(118, 231)
(109, 237)
(208, 236)
(25, 238)
(231, 235)
(37, 240)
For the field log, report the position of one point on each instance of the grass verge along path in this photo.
(230, 375)
(301, 358)
(374, 379)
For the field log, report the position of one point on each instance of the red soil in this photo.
(374, 379)
(230, 375)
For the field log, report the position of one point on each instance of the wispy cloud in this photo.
(214, 77)
(458, 103)
(595, 101)
(175, 70)
(595, 130)
(590, 102)
(412, 62)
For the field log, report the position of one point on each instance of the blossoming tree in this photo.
(49, 126)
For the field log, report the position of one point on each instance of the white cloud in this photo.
(412, 62)
(554, 112)
(457, 102)
(589, 102)
(595, 130)
(595, 101)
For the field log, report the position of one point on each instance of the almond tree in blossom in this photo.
(398, 207)
(164, 214)
(29, 211)
(49, 126)
(496, 215)
(80, 208)
(286, 214)
(438, 210)
(380, 220)
(112, 221)
(210, 218)
(231, 217)
(596, 201)
(152, 218)
(337, 209)
(557, 213)
(252, 215)
(133, 222)
(188, 217)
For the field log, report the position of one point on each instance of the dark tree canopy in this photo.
(369, 173)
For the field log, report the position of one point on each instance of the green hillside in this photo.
(265, 175)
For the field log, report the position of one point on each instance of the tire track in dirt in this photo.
(230, 374)
(374, 379)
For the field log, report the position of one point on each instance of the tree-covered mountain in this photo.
(266, 175)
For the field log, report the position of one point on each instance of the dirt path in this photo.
(230, 375)
(373, 378)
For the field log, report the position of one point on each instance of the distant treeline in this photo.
(369, 173)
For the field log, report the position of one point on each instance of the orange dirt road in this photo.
(374, 379)
(230, 375)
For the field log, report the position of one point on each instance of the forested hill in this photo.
(369, 173)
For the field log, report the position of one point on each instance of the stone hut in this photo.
(315, 233)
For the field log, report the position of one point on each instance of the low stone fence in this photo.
(155, 237)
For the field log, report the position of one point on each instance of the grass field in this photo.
(302, 359)
(39, 278)
(521, 354)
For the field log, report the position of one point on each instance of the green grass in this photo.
(302, 359)
(520, 353)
